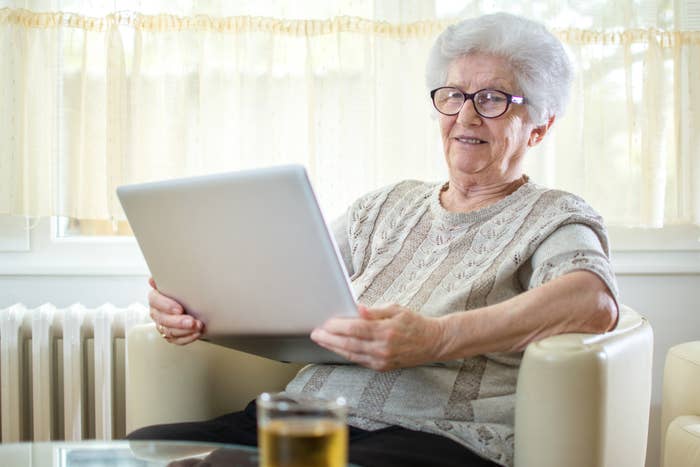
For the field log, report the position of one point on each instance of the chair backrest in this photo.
(680, 407)
(192, 382)
(583, 400)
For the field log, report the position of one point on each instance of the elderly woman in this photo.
(455, 278)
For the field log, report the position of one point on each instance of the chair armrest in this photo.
(682, 442)
(681, 393)
(583, 399)
(169, 383)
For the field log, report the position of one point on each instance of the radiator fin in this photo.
(62, 371)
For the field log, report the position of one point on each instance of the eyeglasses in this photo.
(489, 103)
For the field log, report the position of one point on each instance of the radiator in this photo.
(62, 371)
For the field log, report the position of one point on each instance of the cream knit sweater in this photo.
(401, 246)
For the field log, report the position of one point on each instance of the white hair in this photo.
(541, 67)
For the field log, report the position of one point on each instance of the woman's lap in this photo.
(233, 428)
(393, 446)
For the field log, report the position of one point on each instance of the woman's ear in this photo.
(537, 134)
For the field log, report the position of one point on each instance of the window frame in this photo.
(50, 254)
(671, 250)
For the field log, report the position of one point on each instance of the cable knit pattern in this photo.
(363, 215)
(406, 248)
(390, 235)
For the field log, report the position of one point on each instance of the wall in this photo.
(672, 305)
(670, 301)
(62, 290)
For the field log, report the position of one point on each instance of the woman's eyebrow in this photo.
(495, 83)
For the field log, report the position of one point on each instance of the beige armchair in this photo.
(582, 400)
(680, 409)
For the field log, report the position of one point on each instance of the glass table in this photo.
(127, 454)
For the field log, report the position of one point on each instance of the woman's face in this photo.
(488, 150)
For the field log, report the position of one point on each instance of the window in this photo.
(135, 95)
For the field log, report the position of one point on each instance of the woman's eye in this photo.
(493, 97)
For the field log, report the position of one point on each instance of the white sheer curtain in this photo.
(99, 94)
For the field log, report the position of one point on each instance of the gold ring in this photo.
(161, 331)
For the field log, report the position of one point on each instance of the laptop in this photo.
(248, 253)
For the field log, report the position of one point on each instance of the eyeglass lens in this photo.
(488, 103)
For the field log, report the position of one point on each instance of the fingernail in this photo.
(199, 325)
(188, 322)
(176, 309)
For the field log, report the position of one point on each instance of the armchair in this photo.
(680, 409)
(582, 400)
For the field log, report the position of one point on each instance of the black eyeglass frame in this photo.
(510, 99)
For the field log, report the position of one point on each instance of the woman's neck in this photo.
(466, 198)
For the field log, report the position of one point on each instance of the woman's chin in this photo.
(467, 167)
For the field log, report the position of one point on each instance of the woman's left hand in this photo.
(383, 338)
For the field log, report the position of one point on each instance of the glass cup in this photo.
(301, 431)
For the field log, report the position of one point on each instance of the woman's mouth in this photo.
(466, 140)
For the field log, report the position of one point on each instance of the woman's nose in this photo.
(467, 114)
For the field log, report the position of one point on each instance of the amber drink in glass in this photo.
(301, 431)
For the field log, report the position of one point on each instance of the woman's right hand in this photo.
(172, 322)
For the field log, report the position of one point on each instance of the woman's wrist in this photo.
(454, 336)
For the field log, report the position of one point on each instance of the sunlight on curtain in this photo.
(99, 96)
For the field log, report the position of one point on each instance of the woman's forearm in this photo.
(575, 302)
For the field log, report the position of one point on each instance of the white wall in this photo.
(64, 290)
(672, 305)
(670, 301)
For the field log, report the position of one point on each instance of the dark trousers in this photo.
(388, 447)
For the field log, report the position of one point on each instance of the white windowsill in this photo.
(675, 250)
(671, 250)
(670, 238)
(49, 256)
(655, 262)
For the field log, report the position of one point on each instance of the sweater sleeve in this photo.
(572, 247)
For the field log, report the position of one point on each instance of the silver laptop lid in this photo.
(248, 252)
